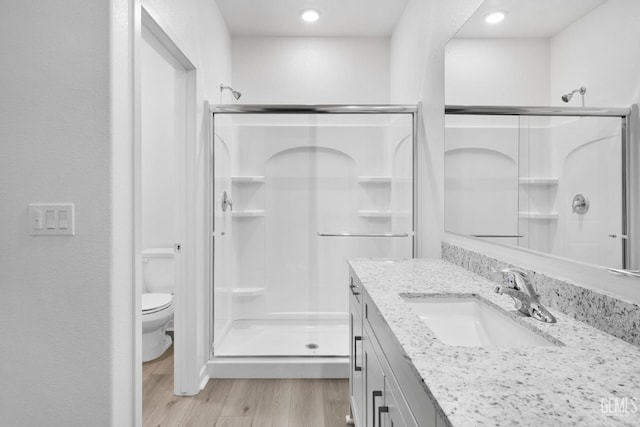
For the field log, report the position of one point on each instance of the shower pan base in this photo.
(285, 337)
(283, 348)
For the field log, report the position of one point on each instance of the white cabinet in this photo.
(385, 404)
(356, 378)
(385, 389)
(374, 384)
(392, 414)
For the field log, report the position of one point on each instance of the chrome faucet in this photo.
(519, 288)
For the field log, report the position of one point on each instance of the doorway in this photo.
(165, 94)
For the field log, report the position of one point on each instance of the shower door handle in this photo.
(355, 353)
(226, 202)
(381, 410)
(375, 393)
(363, 234)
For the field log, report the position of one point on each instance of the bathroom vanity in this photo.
(406, 371)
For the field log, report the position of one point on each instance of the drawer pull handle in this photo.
(375, 393)
(352, 287)
(381, 410)
(355, 354)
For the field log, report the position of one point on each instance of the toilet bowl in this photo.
(157, 310)
(157, 301)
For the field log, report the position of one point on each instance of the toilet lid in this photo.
(155, 302)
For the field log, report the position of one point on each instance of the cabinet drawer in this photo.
(397, 412)
(408, 379)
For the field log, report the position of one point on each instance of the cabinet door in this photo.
(390, 414)
(374, 384)
(356, 377)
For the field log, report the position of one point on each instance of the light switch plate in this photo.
(51, 219)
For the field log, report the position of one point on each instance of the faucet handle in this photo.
(514, 270)
(513, 274)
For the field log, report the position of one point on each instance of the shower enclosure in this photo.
(297, 191)
(550, 179)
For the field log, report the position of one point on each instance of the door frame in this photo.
(187, 379)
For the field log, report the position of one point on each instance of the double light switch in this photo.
(51, 219)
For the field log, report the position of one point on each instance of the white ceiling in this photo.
(339, 18)
(527, 18)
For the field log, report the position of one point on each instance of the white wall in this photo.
(125, 371)
(160, 132)
(311, 70)
(67, 136)
(497, 72)
(56, 357)
(417, 75)
(599, 51)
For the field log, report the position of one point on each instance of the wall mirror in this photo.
(537, 127)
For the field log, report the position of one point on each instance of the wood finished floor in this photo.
(241, 402)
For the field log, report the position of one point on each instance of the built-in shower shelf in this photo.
(538, 181)
(247, 214)
(374, 179)
(538, 215)
(247, 179)
(375, 214)
(247, 292)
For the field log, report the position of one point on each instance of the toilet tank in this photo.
(157, 270)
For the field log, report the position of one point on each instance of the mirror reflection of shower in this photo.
(581, 90)
(235, 93)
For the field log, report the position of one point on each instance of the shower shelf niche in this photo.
(247, 292)
(374, 179)
(538, 181)
(256, 179)
(538, 215)
(374, 214)
(247, 213)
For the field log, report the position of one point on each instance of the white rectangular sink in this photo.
(468, 321)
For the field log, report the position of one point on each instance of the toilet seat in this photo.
(152, 302)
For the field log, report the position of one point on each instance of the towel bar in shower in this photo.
(622, 272)
(497, 235)
(363, 234)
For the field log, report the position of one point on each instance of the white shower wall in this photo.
(292, 177)
(481, 176)
(520, 177)
(588, 152)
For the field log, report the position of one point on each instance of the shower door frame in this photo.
(629, 204)
(302, 109)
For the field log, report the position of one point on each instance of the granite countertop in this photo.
(549, 386)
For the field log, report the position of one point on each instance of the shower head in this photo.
(235, 93)
(567, 97)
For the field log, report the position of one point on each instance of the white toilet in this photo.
(157, 301)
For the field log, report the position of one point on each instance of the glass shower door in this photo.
(308, 191)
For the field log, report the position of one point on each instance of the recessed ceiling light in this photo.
(495, 17)
(310, 15)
